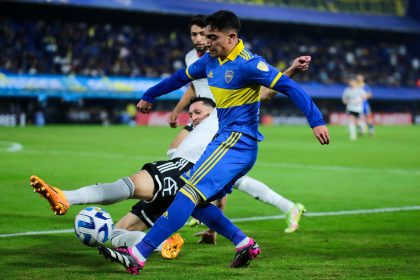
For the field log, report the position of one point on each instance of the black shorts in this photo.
(355, 114)
(166, 177)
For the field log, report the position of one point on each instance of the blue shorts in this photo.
(227, 158)
(366, 108)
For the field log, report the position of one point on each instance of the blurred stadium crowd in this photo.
(96, 49)
(396, 7)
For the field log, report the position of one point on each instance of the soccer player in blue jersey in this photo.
(235, 77)
(367, 110)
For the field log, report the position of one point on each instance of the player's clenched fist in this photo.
(144, 106)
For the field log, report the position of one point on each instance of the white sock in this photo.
(261, 191)
(138, 255)
(353, 131)
(242, 243)
(170, 152)
(107, 193)
(122, 237)
(363, 127)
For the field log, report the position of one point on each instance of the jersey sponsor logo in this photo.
(262, 66)
(229, 76)
(210, 75)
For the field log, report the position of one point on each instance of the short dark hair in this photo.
(199, 20)
(206, 101)
(223, 20)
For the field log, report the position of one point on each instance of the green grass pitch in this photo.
(370, 173)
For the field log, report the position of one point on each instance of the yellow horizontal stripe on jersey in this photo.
(273, 83)
(226, 98)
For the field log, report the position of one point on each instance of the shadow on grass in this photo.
(50, 251)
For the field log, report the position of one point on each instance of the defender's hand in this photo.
(172, 119)
(207, 237)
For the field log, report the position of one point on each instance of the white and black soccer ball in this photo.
(93, 226)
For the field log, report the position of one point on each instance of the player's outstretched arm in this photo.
(300, 64)
(303, 101)
(166, 86)
(182, 104)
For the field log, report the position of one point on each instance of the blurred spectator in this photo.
(123, 50)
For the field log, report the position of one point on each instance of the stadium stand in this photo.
(92, 49)
(83, 61)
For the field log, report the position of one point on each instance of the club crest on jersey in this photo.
(210, 75)
(228, 76)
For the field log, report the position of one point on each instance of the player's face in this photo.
(198, 112)
(360, 79)
(198, 38)
(353, 83)
(218, 42)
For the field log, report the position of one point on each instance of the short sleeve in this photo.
(197, 70)
(262, 73)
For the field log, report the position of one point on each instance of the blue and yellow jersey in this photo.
(236, 83)
(368, 90)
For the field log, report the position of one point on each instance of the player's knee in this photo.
(240, 181)
(144, 185)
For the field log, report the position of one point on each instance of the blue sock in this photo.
(212, 217)
(172, 220)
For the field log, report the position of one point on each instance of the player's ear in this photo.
(232, 36)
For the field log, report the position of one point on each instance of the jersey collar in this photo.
(233, 54)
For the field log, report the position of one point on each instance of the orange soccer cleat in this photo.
(172, 246)
(53, 195)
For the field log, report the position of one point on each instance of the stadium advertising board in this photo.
(79, 87)
(378, 118)
(160, 118)
(73, 87)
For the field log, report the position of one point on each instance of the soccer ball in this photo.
(93, 226)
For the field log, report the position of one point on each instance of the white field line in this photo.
(399, 171)
(310, 214)
(11, 147)
(336, 213)
(334, 168)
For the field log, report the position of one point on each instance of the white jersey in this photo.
(193, 146)
(355, 97)
(201, 86)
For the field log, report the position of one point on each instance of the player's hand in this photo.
(173, 119)
(321, 133)
(301, 63)
(144, 106)
(207, 237)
